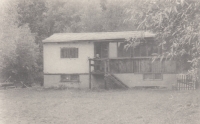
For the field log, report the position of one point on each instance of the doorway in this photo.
(101, 48)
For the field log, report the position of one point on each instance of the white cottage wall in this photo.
(112, 50)
(54, 64)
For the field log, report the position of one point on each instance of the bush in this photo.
(19, 60)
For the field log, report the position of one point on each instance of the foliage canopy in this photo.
(176, 23)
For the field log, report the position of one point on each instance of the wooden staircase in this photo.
(104, 69)
(114, 82)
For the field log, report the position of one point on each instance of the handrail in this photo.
(122, 58)
(144, 57)
(98, 59)
(132, 65)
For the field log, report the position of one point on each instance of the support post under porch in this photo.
(105, 73)
(90, 82)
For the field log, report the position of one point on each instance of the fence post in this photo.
(186, 82)
(108, 65)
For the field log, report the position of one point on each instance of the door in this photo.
(101, 48)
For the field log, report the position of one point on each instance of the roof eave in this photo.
(89, 40)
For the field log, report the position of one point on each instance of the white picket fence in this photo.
(185, 82)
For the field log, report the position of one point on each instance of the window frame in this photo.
(69, 52)
(62, 76)
(154, 77)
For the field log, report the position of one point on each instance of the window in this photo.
(124, 50)
(140, 49)
(69, 52)
(147, 49)
(69, 78)
(153, 76)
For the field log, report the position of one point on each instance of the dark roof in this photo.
(70, 37)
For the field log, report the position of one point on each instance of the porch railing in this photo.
(143, 65)
(132, 65)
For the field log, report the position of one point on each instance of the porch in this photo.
(131, 65)
(149, 69)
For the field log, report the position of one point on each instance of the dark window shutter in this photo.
(73, 52)
(76, 53)
(61, 53)
(69, 53)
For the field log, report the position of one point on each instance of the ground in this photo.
(50, 106)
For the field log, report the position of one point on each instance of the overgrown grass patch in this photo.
(99, 106)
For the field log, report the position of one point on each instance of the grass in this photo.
(48, 106)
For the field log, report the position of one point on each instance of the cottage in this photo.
(69, 60)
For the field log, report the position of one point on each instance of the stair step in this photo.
(116, 81)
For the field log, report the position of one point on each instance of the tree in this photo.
(176, 23)
(113, 15)
(67, 17)
(18, 51)
(92, 17)
(32, 13)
